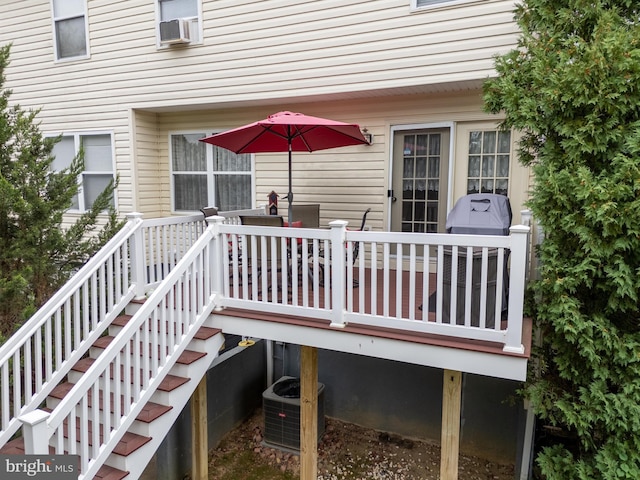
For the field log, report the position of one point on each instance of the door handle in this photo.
(391, 196)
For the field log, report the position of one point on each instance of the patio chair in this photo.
(309, 214)
(256, 253)
(355, 250)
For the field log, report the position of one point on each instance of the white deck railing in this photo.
(465, 296)
(39, 355)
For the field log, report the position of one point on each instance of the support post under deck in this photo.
(450, 439)
(199, 433)
(308, 413)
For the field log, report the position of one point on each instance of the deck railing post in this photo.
(36, 437)
(338, 272)
(519, 238)
(137, 258)
(218, 255)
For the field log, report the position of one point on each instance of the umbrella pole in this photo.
(290, 193)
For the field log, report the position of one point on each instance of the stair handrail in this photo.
(203, 254)
(30, 334)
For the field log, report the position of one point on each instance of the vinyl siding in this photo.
(344, 59)
(254, 50)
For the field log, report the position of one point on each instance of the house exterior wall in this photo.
(252, 51)
(345, 181)
(376, 63)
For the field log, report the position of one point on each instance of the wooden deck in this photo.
(466, 355)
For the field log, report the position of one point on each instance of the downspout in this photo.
(269, 354)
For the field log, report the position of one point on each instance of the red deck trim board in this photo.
(413, 337)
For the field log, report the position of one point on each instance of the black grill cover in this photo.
(480, 214)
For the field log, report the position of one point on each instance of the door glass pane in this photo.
(407, 212)
(421, 144)
(71, 38)
(473, 186)
(502, 186)
(488, 163)
(419, 212)
(407, 189)
(421, 167)
(474, 166)
(434, 144)
(421, 190)
(475, 142)
(503, 166)
(489, 142)
(487, 186)
(434, 186)
(434, 167)
(504, 142)
(407, 171)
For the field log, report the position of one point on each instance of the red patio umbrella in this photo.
(288, 132)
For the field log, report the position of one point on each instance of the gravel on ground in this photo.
(350, 452)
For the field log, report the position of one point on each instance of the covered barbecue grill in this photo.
(480, 214)
(476, 214)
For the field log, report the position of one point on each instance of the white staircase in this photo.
(88, 380)
(133, 452)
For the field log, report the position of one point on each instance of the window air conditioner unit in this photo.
(281, 409)
(174, 31)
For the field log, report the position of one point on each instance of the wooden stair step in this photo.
(150, 411)
(16, 447)
(129, 442)
(188, 358)
(109, 473)
(204, 333)
(169, 383)
(13, 447)
(121, 320)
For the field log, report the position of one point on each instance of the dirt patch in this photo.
(346, 452)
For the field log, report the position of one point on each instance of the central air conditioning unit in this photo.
(281, 409)
(174, 31)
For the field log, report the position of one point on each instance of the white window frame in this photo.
(209, 172)
(76, 147)
(195, 26)
(54, 21)
(432, 4)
